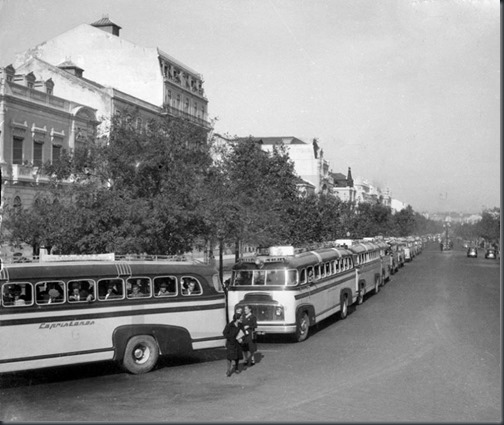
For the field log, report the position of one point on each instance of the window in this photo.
(17, 150)
(138, 287)
(56, 153)
(328, 269)
(302, 276)
(17, 202)
(52, 292)
(37, 153)
(310, 274)
(190, 286)
(110, 289)
(81, 291)
(165, 286)
(16, 295)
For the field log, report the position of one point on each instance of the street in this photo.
(426, 348)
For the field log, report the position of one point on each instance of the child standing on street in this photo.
(234, 351)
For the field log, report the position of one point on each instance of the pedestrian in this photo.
(249, 346)
(234, 351)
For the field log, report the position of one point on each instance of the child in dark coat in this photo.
(233, 346)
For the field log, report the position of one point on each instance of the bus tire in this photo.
(344, 307)
(141, 354)
(360, 295)
(302, 326)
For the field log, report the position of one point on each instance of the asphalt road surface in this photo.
(426, 348)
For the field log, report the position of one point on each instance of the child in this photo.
(233, 345)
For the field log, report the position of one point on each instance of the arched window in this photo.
(17, 202)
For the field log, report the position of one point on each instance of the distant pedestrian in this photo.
(234, 351)
(249, 346)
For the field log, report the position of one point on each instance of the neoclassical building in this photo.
(146, 74)
(35, 127)
(65, 91)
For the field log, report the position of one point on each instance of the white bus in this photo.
(368, 264)
(62, 313)
(288, 292)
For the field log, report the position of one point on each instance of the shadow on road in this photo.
(97, 369)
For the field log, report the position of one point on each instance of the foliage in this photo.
(158, 190)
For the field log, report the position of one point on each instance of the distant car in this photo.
(472, 252)
(490, 253)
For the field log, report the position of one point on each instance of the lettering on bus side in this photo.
(66, 324)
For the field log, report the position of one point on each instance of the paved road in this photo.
(425, 349)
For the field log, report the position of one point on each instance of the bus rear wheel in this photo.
(302, 327)
(344, 307)
(141, 354)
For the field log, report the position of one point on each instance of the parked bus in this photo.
(368, 265)
(71, 312)
(290, 291)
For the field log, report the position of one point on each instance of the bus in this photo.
(290, 290)
(131, 312)
(368, 266)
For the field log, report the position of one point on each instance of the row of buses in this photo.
(78, 310)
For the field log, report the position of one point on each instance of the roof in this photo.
(104, 22)
(69, 64)
(280, 140)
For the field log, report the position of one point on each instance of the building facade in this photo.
(66, 90)
(147, 74)
(35, 127)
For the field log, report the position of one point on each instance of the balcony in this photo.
(178, 113)
(25, 173)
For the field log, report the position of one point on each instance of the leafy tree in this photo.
(488, 227)
(263, 187)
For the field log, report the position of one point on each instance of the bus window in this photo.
(275, 277)
(50, 292)
(259, 277)
(190, 286)
(243, 278)
(291, 277)
(110, 289)
(14, 295)
(317, 271)
(81, 291)
(309, 271)
(165, 286)
(328, 269)
(138, 287)
(302, 276)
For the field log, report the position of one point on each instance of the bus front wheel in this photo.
(141, 354)
(302, 327)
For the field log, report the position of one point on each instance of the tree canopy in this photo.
(160, 190)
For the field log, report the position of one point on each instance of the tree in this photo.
(263, 188)
(140, 191)
(488, 227)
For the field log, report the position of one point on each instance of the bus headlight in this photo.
(279, 312)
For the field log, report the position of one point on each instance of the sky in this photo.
(405, 92)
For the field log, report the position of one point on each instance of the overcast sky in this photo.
(405, 92)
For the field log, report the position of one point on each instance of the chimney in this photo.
(70, 67)
(107, 25)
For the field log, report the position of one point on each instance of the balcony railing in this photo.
(178, 113)
(25, 173)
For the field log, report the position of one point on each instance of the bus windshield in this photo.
(280, 277)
